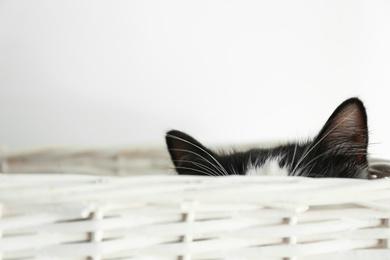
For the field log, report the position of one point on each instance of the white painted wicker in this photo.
(152, 215)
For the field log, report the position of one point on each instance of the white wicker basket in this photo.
(70, 215)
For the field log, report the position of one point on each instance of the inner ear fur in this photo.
(346, 131)
(188, 155)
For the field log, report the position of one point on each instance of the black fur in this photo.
(339, 150)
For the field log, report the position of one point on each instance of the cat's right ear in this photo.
(344, 137)
(188, 155)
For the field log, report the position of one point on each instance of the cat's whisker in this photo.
(310, 172)
(329, 153)
(295, 152)
(200, 156)
(302, 169)
(204, 167)
(234, 171)
(200, 148)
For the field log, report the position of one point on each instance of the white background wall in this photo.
(124, 72)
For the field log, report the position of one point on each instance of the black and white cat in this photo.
(339, 150)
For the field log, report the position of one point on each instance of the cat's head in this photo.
(339, 150)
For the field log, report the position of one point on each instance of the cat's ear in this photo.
(189, 156)
(345, 133)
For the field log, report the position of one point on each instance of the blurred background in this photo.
(124, 72)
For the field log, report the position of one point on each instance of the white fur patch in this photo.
(269, 168)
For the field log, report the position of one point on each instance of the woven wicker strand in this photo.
(85, 160)
(130, 208)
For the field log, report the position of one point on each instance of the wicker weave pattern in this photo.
(168, 217)
(106, 216)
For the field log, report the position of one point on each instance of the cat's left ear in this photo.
(189, 156)
(345, 133)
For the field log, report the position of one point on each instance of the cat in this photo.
(339, 150)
